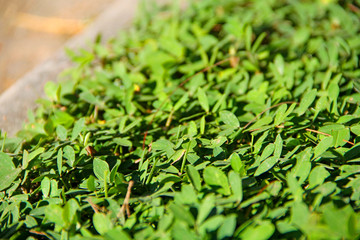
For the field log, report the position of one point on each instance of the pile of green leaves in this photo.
(229, 119)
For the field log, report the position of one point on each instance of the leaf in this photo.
(192, 129)
(69, 154)
(279, 64)
(278, 146)
(228, 227)
(203, 99)
(317, 176)
(8, 172)
(214, 177)
(102, 223)
(78, 127)
(300, 215)
(207, 204)
(266, 165)
(117, 233)
(264, 230)
(229, 119)
(237, 165)
(182, 214)
(236, 186)
(211, 224)
(88, 97)
(194, 177)
(269, 149)
(61, 132)
(28, 157)
(181, 102)
(45, 187)
(333, 91)
(323, 145)
(90, 183)
(280, 115)
(69, 211)
(99, 168)
(248, 37)
(59, 160)
(51, 90)
(303, 165)
(164, 145)
(54, 213)
(122, 142)
(306, 101)
(202, 125)
(340, 137)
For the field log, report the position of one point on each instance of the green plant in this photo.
(231, 119)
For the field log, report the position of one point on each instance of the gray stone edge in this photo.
(20, 97)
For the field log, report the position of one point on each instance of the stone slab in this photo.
(19, 98)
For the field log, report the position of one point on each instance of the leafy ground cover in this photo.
(230, 119)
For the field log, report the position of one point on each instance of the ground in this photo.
(32, 30)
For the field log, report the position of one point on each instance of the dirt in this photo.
(32, 30)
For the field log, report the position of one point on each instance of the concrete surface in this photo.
(32, 30)
(20, 97)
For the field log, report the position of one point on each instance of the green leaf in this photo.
(264, 230)
(102, 223)
(8, 172)
(78, 127)
(117, 233)
(333, 91)
(27, 157)
(303, 165)
(280, 115)
(164, 145)
(306, 101)
(203, 99)
(202, 125)
(228, 227)
(229, 119)
(237, 165)
(278, 146)
(54, 213)
(323, 145)
(192, 130)
(61, 132)
(194, 177)
(181, 102)
(216, 178)
(69, 154)
(318, 176)
(90, 183)
(206, 206)
(59, 160)
(266, 165)
(99, 168)
(300, 215)
(51, 89)
(182, 214)
(122, 142)
(236, 186)
(45, 187)
(211, 224)
(69, 211)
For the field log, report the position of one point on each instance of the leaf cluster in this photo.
(229, 119)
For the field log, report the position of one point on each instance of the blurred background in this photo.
(32, 30)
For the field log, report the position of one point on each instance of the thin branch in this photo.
(125, 206)
(94, 206)
(326, 134)
(274, 106)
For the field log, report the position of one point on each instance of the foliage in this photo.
(230, 119)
